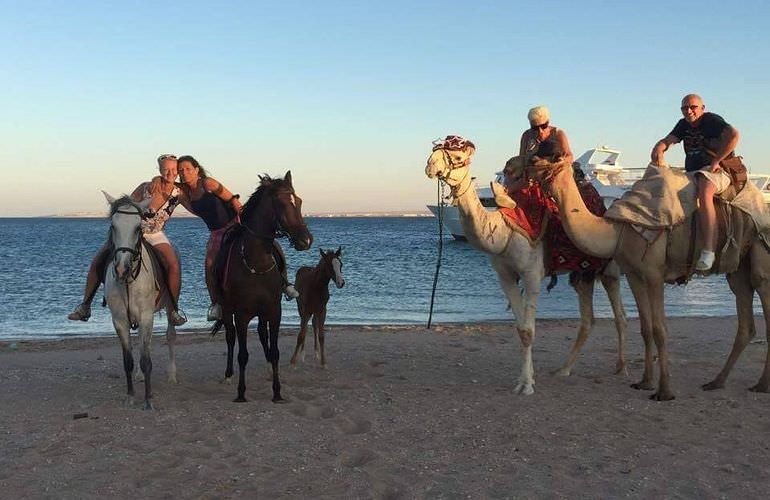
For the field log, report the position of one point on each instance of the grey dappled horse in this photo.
(134, 292)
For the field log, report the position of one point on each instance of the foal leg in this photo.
(321, 335)
(740, 284)
(316, 346)
(300, 348)
(241, 326)
(585, 293)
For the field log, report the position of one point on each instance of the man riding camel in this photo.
(708, 141)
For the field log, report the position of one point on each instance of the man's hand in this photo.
(715, 167)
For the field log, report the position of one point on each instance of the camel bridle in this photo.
(452, 167)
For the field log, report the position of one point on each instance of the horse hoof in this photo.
(524, 389)
(561, 372)
(279, 400)
(128, 402)
(148, 405)
(759, 388)
(643, 386)
(172, 379)
(662, 396)
(239, 399)
(226, 380)
(712, 386)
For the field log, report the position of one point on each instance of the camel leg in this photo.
(740, 284)
(585, 293)
(300, 347)
(527, 333)
(762, 284)
(611, 284)
(645, 319)
(660, 334)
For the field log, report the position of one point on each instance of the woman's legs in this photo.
(95, 276)
(170, 262)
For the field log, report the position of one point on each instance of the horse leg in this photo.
(585, 293)
(227, 320)
(300, 347)
(241, 327)
(262, 331)
(740, 284)
(145, 361)
(273, 355)
(128, 359)
(171, 341)
(321, 334)
(611, 284)
(645, 319)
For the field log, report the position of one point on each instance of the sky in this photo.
(348, 95)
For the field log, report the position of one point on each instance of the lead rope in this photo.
(440, 195)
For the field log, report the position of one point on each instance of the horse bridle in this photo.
(136, 252)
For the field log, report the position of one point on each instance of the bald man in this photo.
(708, 140)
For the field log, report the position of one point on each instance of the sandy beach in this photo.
(401, 412)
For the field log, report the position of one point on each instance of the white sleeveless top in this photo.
(156, 223)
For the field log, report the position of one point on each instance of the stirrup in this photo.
(81, 313)
(214, 313)
(290, 292)
(177, 318)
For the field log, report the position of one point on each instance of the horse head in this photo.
(125, 233)
(275, 208)
(332, 263)
(450, 159)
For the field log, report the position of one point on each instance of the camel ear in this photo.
(339, 251)
(109, 198)
(287, 177)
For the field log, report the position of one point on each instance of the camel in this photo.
(516, 260)
(648, 266)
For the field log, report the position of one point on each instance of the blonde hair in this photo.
(538, 115)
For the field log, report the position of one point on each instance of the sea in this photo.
(389, 267)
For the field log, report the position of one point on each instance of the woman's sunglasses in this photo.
(542, 126)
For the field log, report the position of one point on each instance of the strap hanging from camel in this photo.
(440, 195)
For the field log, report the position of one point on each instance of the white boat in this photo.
(602, 167)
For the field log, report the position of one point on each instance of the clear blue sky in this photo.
(349, 94)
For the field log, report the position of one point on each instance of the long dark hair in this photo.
(201, 171)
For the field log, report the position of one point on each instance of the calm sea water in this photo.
(388, 264)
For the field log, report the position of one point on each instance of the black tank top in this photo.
(549, 147)
(214, 212)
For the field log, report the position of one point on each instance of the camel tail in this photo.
(217, 326)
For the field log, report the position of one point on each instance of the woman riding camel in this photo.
(165, 197)
(219, 208)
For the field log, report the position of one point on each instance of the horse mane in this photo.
(123, 200)
(266, 183)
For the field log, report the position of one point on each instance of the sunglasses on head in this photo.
(542, 126)
(166, 157)
(691, 107)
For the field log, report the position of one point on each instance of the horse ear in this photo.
(321, 250)
(287, 177)
(339, 251)
(109, 198)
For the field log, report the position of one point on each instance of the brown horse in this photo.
(250, 281)
(312, 283)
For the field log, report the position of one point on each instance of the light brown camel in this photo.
(517, 260)
(649, 266)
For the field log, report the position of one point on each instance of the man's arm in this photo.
(728, 140)
(661, 147)
(561, 137)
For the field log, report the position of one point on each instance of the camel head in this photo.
(450, 159)
(551, 176)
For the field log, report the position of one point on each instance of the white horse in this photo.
(134, 292)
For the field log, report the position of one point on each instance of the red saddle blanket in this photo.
(536, 212)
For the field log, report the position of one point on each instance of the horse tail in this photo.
(217, 326)
(552, 283)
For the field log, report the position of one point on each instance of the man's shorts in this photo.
(156, 239)
(721, 180)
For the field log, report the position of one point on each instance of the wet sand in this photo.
(401, 412)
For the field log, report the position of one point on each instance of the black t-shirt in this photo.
(697, 139)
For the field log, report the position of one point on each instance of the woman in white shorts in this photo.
(165, 198)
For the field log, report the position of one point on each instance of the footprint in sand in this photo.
(358, 458)
(354, 425)
(311, 411)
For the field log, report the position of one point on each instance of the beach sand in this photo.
(401, 412)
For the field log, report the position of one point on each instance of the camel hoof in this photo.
(239, 399)
(662, 396)
(562, 372)
(713, 385)
(524, 389)
(148, 405)
(643, 386)
(759, 387)
(622, 370)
